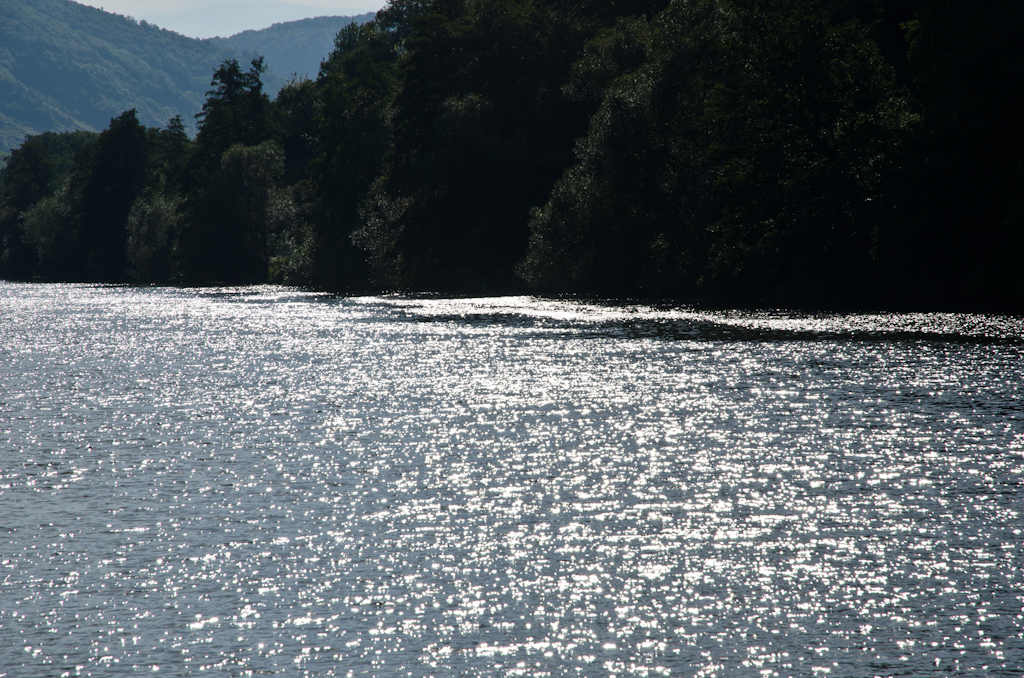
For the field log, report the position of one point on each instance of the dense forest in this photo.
(816, 153)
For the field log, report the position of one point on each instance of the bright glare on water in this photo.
(265, 481)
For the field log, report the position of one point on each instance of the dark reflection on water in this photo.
(675, 326)
(263, 481)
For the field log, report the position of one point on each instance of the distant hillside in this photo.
(67, 66)
(295, 46)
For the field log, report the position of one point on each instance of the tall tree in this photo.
(293, 115)
(480, 132)
(357, 84)
(104, 188)
(236, 112)
(215, 242)
(629, 217)
(34, 172)
(228, 223)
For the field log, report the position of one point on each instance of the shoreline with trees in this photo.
(825, 154)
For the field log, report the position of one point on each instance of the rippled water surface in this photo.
(264, 481)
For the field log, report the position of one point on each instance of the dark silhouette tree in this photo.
(34, 172)
(754, 151)
(480, 132)
(236, 112)
(357, 84)
(741, 148)
(28, 177)
(214, 243)
(104, 189)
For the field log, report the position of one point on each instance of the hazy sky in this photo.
(207, 18)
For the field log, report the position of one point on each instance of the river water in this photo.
(265, 481)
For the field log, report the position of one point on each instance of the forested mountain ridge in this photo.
(293, 47)
(815, 153)
(65, 65)
(69, 66)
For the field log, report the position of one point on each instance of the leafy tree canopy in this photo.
(823, 153)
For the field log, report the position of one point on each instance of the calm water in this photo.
(263, 481)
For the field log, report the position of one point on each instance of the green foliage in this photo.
(33, 173)
(49, 230)
(752, 151)
(151, 205)
(105, 187)
(810, 131)
(40, 166)
(153, 226)
(742, 148)
(75, 231)
(293, 117)
(966, 62)
(356, 86)
(231, 220)
(481, 129)
(169, 152)
(236, 112)
(628, 218)
(29, 175)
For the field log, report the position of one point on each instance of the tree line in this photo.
(828, 153)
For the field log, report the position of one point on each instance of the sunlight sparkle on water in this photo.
(270, 481)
